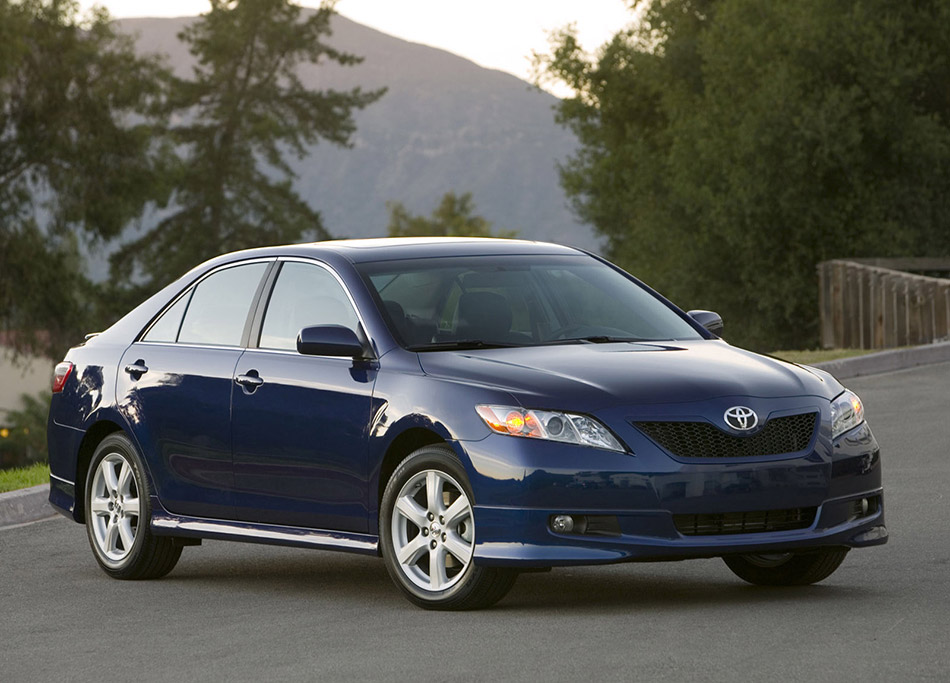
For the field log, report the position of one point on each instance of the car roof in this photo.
(395, 248)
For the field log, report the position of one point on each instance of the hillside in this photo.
(445, 124)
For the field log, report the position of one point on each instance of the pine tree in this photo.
(78, 160)
(241, 113)
(454, 216)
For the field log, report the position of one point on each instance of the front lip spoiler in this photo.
(874, 536)
(657, 542)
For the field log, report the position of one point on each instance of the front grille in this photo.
(744, 522)
(704, 440)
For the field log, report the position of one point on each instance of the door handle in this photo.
(249, 381)
(137, 369)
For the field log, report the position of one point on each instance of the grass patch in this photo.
(24, 477)
(812, 356)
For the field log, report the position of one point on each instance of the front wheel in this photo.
(118, 513)
(787, 569)
(427, 534)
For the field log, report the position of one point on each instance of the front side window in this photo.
(304, 295)
(219, 306)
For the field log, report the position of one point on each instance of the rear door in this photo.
(174, 388)
(300, 423)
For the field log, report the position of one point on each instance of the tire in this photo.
(427, 535)
(787, 569)
(118, 512)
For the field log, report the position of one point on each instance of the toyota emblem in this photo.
(741, 418)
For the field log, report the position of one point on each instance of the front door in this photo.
(300, 423)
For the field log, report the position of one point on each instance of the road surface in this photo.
(240, 612)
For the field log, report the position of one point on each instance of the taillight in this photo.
(60, 374)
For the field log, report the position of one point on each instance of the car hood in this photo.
(588, 377)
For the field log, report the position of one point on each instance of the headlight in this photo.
(847, 412)
(540, 424)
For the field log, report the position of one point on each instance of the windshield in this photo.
(492, 301)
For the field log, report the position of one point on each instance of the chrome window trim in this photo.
(289, 352)
(192, 345)
(242, 349)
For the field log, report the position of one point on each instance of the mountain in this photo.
(444, 124)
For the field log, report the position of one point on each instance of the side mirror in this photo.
(711, 320)
(329, 340)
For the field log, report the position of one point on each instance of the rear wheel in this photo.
(118, 514)
(427, 535)
(787, 569)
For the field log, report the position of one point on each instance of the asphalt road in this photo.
(242, 612)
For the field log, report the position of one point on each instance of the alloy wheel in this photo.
(115, 507)
(433, 531)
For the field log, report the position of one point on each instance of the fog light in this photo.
(562, 524)
(864, 507)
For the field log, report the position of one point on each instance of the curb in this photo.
(25, 505)
(887, 361)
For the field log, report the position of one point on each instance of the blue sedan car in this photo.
(466, 408)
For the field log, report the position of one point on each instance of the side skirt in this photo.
(168, 524)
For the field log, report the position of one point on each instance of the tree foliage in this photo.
(727, 146)
(241, 112)
(92, 135)
(25, 428)
(77, 160)
(454, 216)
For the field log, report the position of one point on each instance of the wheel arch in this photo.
(94, 436)
(408, 441)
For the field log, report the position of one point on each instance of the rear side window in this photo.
(304, 295)
(166, 327)
(219, 306)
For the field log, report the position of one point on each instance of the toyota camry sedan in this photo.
(468, 409)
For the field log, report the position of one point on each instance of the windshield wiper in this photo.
(461, 345)
(593, 339)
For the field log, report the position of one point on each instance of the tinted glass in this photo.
(518, 301)
(218, 309)
(303, 296)
(166, 327)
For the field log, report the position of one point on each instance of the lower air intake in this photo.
(744, 522)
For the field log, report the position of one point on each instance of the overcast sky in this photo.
(499, 34)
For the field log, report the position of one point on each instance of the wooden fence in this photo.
(878, 304)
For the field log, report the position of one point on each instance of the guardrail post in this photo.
(837, 299)
(890, 311)
(942, 305)
(900, 285)
(825, 305)
(876, 311)
(853, 321)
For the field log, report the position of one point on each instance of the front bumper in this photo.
(520, 484)
(651, 536)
